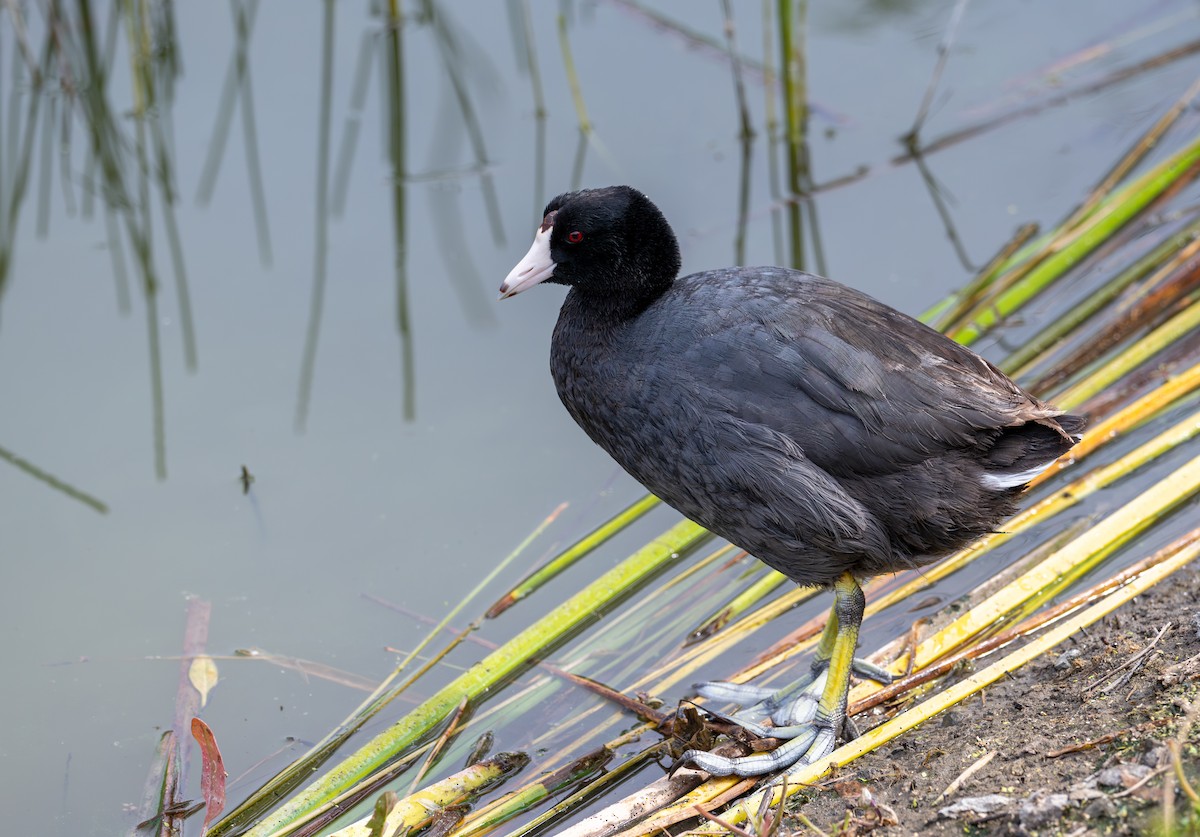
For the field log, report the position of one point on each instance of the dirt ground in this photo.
(1077, 694)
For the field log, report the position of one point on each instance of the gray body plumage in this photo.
(801, 420)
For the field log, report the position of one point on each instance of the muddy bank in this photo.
(1077, 740)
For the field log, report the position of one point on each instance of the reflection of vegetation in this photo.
(522, 17)
(127, 172)
(237, 87)
(321, 232)
(587, 131)
(396, 146)
(792, 33)
(456, 59)
(53, 481)
(786, 116)
(746, 134)
(129, 165)
(14, 165)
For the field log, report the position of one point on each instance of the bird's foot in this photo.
(794, 713)
(794, 704)
(808, 714)
(810, 742)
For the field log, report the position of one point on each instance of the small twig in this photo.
(612, 695)
(807, 823)
(448, 733)
(1135, 154)
(782, 798)
(766, 821)
(1141, 782)
(1130, 666)
(978, 765)
(911, 643)
(732, 829)
(943, 55)
(1108, 738)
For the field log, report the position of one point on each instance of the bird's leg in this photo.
(796, 702)
(759, 703)
(810, 712)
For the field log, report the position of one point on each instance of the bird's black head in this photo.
(609, 244)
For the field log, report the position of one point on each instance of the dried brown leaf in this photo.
(212, 772)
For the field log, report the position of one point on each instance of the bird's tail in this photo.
(1023, 452)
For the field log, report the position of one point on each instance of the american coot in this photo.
(825, 433)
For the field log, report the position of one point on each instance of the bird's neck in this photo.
(604, 309)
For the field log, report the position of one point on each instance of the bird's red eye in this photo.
(575, 236)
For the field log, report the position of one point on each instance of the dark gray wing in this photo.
(857, 386)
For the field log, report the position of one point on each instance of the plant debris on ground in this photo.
(1076, 746)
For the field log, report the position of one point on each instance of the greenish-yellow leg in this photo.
(808, 713)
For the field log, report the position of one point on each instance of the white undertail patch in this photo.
(1002, 481)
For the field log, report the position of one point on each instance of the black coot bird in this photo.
(825, 433)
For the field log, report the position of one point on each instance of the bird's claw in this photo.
(814, 743)
(866, 670)
(808, 733)
(755, 729)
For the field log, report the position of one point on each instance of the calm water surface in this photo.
(412, 459)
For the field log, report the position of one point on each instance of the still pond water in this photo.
(341, 245)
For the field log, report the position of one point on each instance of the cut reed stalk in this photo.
(865, 696)
(1102, 539)
(1147, 312)
(1023, 359)
(741, 603)
(518, 802)
(951, 309)
(489, 673)
(1068, 248)
(569, 556)
(806, 775)
(415, 809)
(1169, 333)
